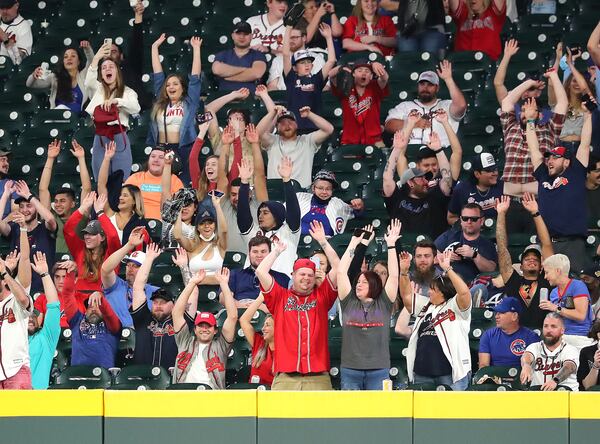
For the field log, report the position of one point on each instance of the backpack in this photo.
(412, 15)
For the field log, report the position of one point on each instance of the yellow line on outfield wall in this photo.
(339, 404)
(491, 405)
(51, 403)
(179, 404)
(585, 405)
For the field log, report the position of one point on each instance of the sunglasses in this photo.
(470, 218)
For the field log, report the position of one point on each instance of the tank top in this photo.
(211, 266)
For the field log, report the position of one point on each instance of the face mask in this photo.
(208, 239)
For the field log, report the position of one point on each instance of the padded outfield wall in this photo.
(263, 417)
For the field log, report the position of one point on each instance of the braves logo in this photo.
(517, 347)
(557, 183)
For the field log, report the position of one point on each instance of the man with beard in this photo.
(42, 236)
(64, 198)
(417, 283)
(551, 362)
(471, 252)
(591, 278)
(241, 66)
(361, 107)
(275, 221)
(95, 333)
(244, 283)
(427, 104)
(119, 292)
(561, 189)
(43, 339)
(528, 285)
(483, 188)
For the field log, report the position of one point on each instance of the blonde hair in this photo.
(558, 262)
(261, 353)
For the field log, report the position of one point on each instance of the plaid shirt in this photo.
(518, 167)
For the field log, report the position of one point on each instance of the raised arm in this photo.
(267, 124)
(326, 32)
(504, 259)
(543, 235)
(292, 213)
(109, 153)
(511, 47)
(23, 190)
(181, 304)
(317, 232)
(404, 284)
(593, 44)
(381, 73)
(389, 184)
(73, 241)
(188, 244)
(455, 146)
(325, 129)
(110, 264)
(436, 145)
(44, 187)
(228, 329)
(343, 281)
(246, 318)
(4, 200)
(156, 65)
(221, 223)
(583, 152)
(530, 111)
(40, 266)
(167, 177)
(463, 295)
(392, 235)
(459, 104)
(196, 43)
(562, 101)
(258, 164)
(84, 174)
(262, 271)
(141, 278)
(215, 106)
(227, 138)
(514, 95)
(15, 288)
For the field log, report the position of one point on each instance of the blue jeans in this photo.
(429, 40)
(363, 379)
(460, 385)
(122, 159)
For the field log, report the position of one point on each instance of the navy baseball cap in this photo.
(508, 304)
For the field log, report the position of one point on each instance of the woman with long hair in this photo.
(99, 240)
(262, 344)
(173, 116)
(66, 83)
(207, 250)
(111, 105)
(367, 310)
(127, 212)
(366, 30)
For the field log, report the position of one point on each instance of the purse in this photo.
(102, 118)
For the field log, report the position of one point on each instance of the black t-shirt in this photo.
(154, 341)
(304, 91)
(422, 216)
(528, 293)
(436, 15)
(430, 359)
(593, 204)
(586, 361)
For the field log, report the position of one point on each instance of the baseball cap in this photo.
(485, 162)
(137, 257)
(559, 151)
(304, 263)
(533, 248)
(5, 4)
(205, 215)
(429, 76)
(205, 317)
(302, 54)
(286, 115)
(362, 63)
(5, 151)
(592, 271)
(93, 227)
(425, 153)
(508, 304)
(413, 173)
(20, 199)
(162, 294)
(328, 176)
(242, 27)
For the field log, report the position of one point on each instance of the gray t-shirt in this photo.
(366, 332)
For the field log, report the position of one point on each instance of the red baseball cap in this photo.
(206, 317)
(304, 263)
(559, 151)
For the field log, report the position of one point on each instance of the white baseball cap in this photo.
(429, 76)
(137, 257)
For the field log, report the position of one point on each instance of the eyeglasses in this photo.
(470, 218)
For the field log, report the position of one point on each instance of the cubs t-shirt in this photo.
(506, 350)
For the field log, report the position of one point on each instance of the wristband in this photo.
(536, 214)
(43, 275)
(99, 213)
(403, 274)
(437, 151)
(556, 380)
(393, 247)
(23, 229)
(448, 269)
(595, 367)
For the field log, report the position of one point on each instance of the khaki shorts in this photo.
(285, 381)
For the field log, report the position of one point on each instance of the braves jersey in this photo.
(14, 338)
(547, 363)
(266, 34)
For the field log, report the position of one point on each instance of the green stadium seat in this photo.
(428, 387)
(368, 154)
(275, 189)
(133, 376)
(234, 260)
(82, 376)
(189, 386)
(12, 123)
(508, 375)
(248, 386)
(488, 388)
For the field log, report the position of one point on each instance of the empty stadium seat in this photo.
(82, 376)
(135, 376)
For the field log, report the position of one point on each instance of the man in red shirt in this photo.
(361, 107)
(301, 357)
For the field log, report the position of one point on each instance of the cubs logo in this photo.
(517, 347)
(339, 224)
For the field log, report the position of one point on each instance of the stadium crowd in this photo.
(277, 257)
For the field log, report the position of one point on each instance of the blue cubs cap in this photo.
(508, 305)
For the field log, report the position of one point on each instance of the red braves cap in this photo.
(559, 151)
(207, 317)
(304, 263)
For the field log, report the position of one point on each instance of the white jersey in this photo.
(265, 34)
(285, 261)
(418, 135)
(338, 212)
(20, 30)
(276, 70)
(547, 364)
(452, 329)
(14, 338)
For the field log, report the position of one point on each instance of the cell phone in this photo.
(589, 103)
(108, 41)
(358, 232)
(203, 118)
(217, 193)
(46, 70)
(315, 260)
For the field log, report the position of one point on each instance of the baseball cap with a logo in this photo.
(485, 162)
(242, 28)
(429, 76)
(137, 257)
(509, 304)
(304, 263)
(205, 317)
(302, 54)
(559, 151)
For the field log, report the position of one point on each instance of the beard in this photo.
(93, 318)
(424, 277)
(160, 317)
(426, 97)
(551, 340)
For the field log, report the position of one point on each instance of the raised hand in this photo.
(54, 149)
(325, 30)
(357, 204)
(196, 42)
(22, 189)
(100, 203)
(304, 112)
(181, 258)
(393, 232)
(243, 93)
(368, 235)
(152, 251)
(39, 265)
(198, 277)
(19, 219)
(445, 70)
(502, 204)
(530, 204)
(511, 47)
(246, 169)
(223, 276)
(261, 91)
(70, 266)
(405, 260)
(279, 246)
(228, 135)
(78, 151)
(160, 40)
(9, 187)
(434, 141)
(414, 116)
(378, 69)
(84, 44)
(444, 260)
(400, 140)
(285, 168)
(136, 237)
(441, 115)
(95, 299)
(110, 150)
(169, 157)
(251, 133)
(529, 109)
(12, 260)
(317, 232)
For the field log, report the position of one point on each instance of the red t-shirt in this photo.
(265, 370)
(384, 28)
(481, 33)
(301, 327)
(361, 114)
(40, 305)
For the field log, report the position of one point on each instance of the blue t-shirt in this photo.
(562, 199)
(575, 289)
(75, 104)
(120, 297)
(316, 212)
(42, 346)
(506, 350)
(229, 57)
(466, 268)
(244, 283)
(93, 344)
(466, 192)
(304, 91)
